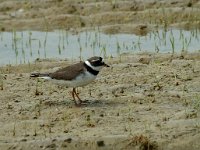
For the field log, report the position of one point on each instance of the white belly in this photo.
(82, 80)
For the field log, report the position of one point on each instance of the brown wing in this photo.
(68, 73)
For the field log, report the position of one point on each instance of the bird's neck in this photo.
(90, 69)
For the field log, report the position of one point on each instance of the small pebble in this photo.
(100, 143)
(69, 140)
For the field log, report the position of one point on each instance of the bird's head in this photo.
(96, 63)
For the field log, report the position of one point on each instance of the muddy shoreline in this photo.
(141, 100)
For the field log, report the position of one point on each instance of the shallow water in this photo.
(26, 46)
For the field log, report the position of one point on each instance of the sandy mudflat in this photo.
(142, 101)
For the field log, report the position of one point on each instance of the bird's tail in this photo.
(40, 75)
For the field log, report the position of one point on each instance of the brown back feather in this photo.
(69, 72)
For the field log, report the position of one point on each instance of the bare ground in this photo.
(112, 16)
(143, 101)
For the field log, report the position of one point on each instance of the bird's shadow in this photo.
(100, 103)
(85, 103)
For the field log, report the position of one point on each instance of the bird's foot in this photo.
(81, 103)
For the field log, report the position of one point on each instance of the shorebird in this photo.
(76, 75)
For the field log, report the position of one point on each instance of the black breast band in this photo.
(92, 71)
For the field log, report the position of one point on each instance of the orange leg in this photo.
(74, 91)
(73, 97)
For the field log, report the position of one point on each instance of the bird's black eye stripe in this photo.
(97, 63)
